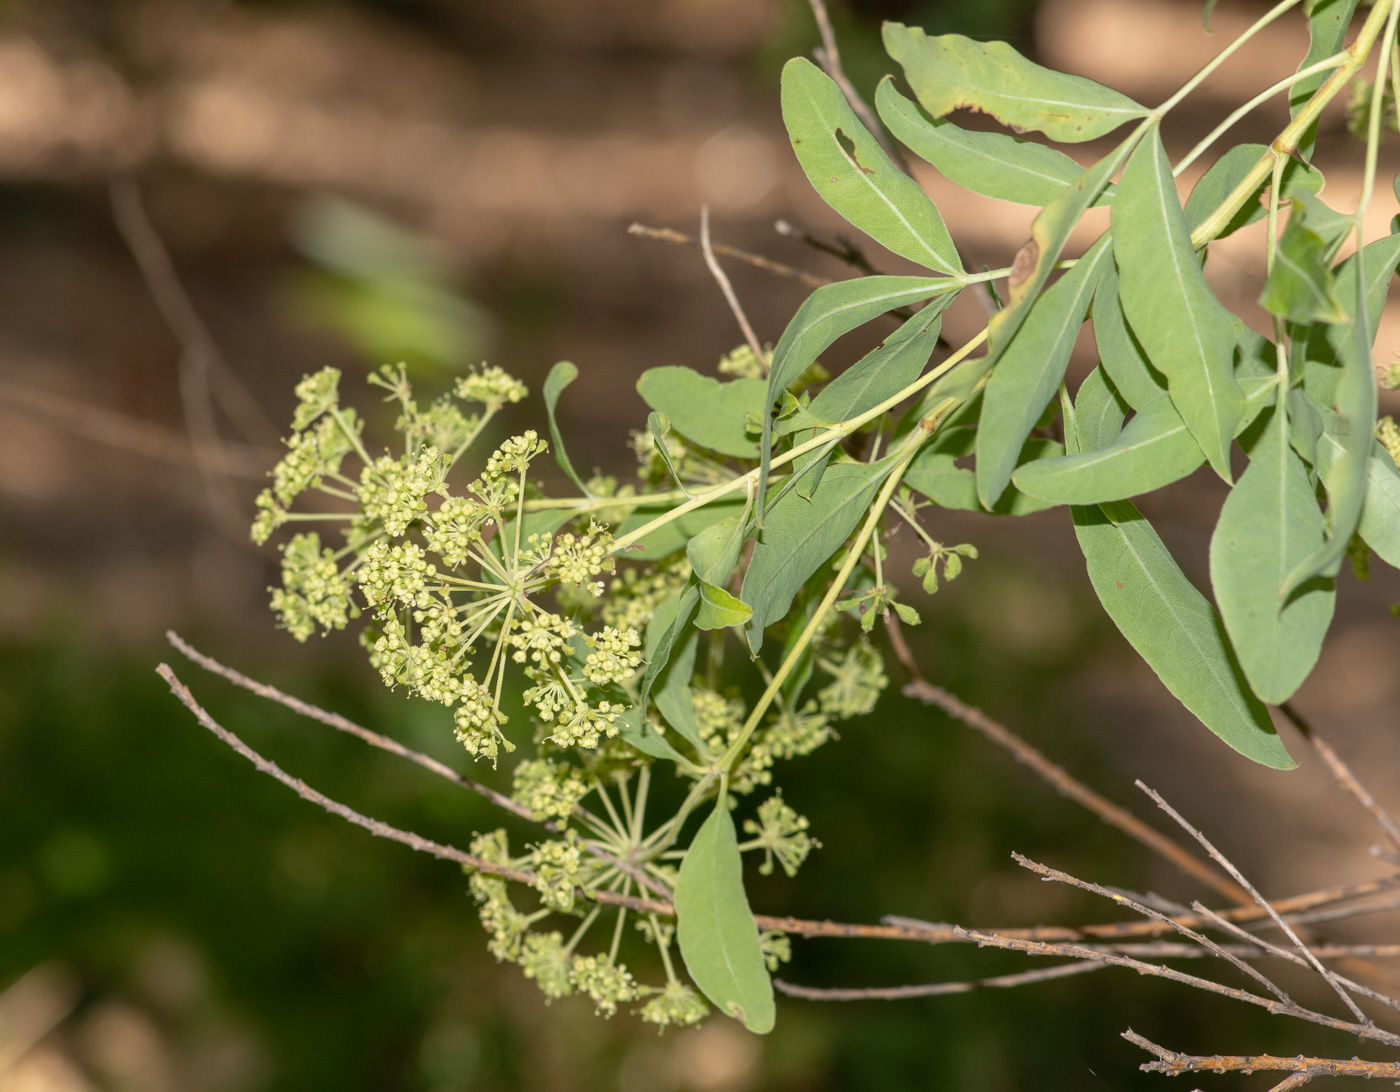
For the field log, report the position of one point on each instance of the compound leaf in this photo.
(717, 933)
(952, 71)
(850, 170)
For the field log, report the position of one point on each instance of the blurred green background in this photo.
(443, 181)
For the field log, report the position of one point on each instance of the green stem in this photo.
(1287, 141)
(853, 555)
(1263, 96)
(1224, 55)
(830, 436)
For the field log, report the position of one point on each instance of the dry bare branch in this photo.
(1057, 777)
(829, 58)
(726, 287)
(1343, 775)
(936, 989)
(1278, 919)
(758, 261)
(1174, 1064)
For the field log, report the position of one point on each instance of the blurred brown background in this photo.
(447, 181)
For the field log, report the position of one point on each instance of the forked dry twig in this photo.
(728, 289)
(758, 261)
(1174, 1064)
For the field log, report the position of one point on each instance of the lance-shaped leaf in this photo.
(801, 535)
(829, 312)
(1188, 334)
(950, 71)
(1229, 171)
(1154, 450)
(559, 377)
(634, 727)
(704, 410)
(1098, 411)
(992, 164)
(1049, 232)
(719, 609)
(1327, 27)
(1170, 624)
(717, 933)
(1269, 523)
(1120, 353)
(670, 651)
(847, 166)
(1030, 369)
(1347, 475)
(878, 375)
(1173, 628)
(1300, 287)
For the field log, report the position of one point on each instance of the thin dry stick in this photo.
(829, 58)
(127, 433)
(1296, 1080)
(1224, 863)
(726, 287)
(1343, 775)
(1320, 950)
(179, 312)
(1174, 1065)
(197, 349)
(376, 827)
(393, 746)
(1146, 911)
(937, 989)
(1365, 1030)
(758, 261)
(1056, 776)
(343, 724)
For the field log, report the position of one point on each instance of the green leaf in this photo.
(829, 312)
(1099, 411)
(559, 377)
(1326, 347)
(717, 933)
(1120, 353)
(673, 536)
(992, 164)
(1229, 171)
(800, 535)
(935, 474)
(704, 410)
(850, 170)
(670, 651)
(1269, 523)
(1154, 450)
(1380, 514)
(1327, 27)
(1300, 284)
(1188, 334)
(1347, 474)
(1206, 10)
(1031, 369)
(719, 609)
(1173, 628)
(1049, 232)
(635, 729)
(878, 375)
(951, 71)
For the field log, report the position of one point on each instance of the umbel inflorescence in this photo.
(477, 589)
